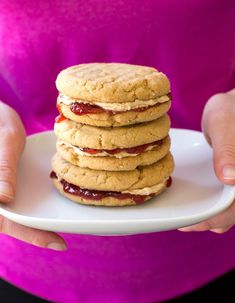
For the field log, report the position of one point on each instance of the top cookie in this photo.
(112, 82)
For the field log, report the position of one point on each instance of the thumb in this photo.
(12, 139)
(219, 128)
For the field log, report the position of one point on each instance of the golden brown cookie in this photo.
(105, 119)
(110, 162)
(131, 181)
(110, 138)
(112, 82)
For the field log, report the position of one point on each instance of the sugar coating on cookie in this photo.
(112, 82)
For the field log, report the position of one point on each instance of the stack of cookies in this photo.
(113, 143)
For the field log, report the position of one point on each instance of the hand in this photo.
(12, 141)
(218, 124)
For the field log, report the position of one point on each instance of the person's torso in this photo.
(193, 42)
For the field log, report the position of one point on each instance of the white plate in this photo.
(194, 196)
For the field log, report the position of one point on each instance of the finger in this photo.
(219, 127)
(232, 92)
(205, 227)
(222, 221)
(221, 230)
(12, 140)
(8, 164)
(33, 236)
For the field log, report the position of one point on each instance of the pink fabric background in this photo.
(193, 42)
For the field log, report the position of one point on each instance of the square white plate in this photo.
(195, 195)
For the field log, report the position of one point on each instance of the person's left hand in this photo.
(218, 124)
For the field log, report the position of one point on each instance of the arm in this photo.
(12, 141)
(218, 124)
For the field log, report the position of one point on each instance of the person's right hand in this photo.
(12, 141)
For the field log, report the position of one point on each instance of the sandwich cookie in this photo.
(123, 148)
(112, 94)
(87, 186)
(114, 159)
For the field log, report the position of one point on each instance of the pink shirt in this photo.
(193, 42)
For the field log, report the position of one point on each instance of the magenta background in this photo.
(193, 42)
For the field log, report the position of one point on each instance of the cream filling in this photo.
(119, 155)
(116, 106)
(146, 190)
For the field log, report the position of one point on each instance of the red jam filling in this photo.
(132, 150)
(98, 195)
(84, 109)
(60, 118)
(53, 175)
(169, 182)
(58, 105)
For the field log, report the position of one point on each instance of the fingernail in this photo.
(6, 191)
(229, 172)
(56, 246)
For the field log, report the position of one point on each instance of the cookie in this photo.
(110, 138)
(112, 82)
(132, 181)
(121, 118)
(113, 144)
(107, 201)
(111, 162)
